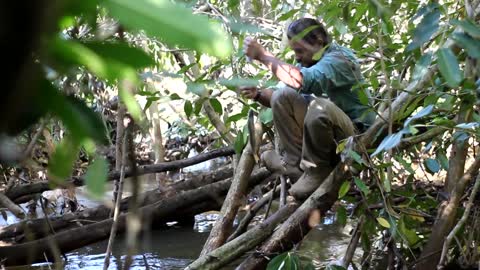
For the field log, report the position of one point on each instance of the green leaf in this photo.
(96, 177)
(342, 215)
(344, 189)
(266, 116)
(471, 45)
(188, 108)
(443, 160)
(363, 97)
(173, 24)
(389, 142)
(422, 113)
(239, 143)
(61, 163)
(287, 15)
(432, 165)
(356, 157)
(422, 65)
(233, 5)
(217, 106)
(361, 185)
(284, 261)
(68, 53)
(383, 222)
(198, 106)
(130, 102)
(80, 120)
(448, 66)
(426, 28)
(123, 53)
(197, 88)
(468, 26)
(235, 117)
(410, 235)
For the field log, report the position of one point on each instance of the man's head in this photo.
(306, 37)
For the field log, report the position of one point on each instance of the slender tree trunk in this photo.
(224, 224)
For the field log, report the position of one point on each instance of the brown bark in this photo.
(7, 203)
(431, 252)
(237, 247)
(16, 193)
(155, 214)
(36, 228)
(224, 224)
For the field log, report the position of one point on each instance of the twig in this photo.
(28, 150)
(456, 229)
(116, 214)
(347, 259)
(271, 200)
(134, 222)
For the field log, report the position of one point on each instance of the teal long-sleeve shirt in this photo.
(334, 75)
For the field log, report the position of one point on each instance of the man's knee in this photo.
(283, 96)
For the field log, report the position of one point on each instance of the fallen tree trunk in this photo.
(19, 192)
(36, 228)
(156, 214)
(15, 209)
(235, 248)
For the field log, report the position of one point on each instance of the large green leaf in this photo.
(344, 189)
(96, 177)
(448, 66)
(266, 116)
(426, 28)
(471, 45)
(81, 121)
(469, 27)
(361, 185)
(432, 165)
(284, 261)
(60, 165)
(69, 53)
(217, 106)
(173, 24)
(421, 67)
(342, 215)
(123, 53)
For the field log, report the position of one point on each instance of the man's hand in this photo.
(253, 49)
(249, 91)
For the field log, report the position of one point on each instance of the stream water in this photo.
(176, 246)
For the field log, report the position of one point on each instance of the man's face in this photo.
(304, 52)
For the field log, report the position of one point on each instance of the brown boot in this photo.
(308, 183)
(275, 163)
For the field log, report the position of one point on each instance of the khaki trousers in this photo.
(309, 131)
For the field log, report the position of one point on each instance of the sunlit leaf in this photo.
(130, 102)
(266, 116)
(284, 261)
(188, 108)
(173, 24)
(60, 166)
(448, 66)
(422, 113)
(432, 165)
(383, 222)
(96, 177)
(426, 28)
(471, 45)
(361, 185)
(344, 189)
(421, 67)
(121, 52)
(287, 15)
(342, 215)
(239, 143)
(217, 106)
(389, 142)
(469, 27)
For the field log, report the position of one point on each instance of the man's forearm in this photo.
(265, 97)
(286, 73)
